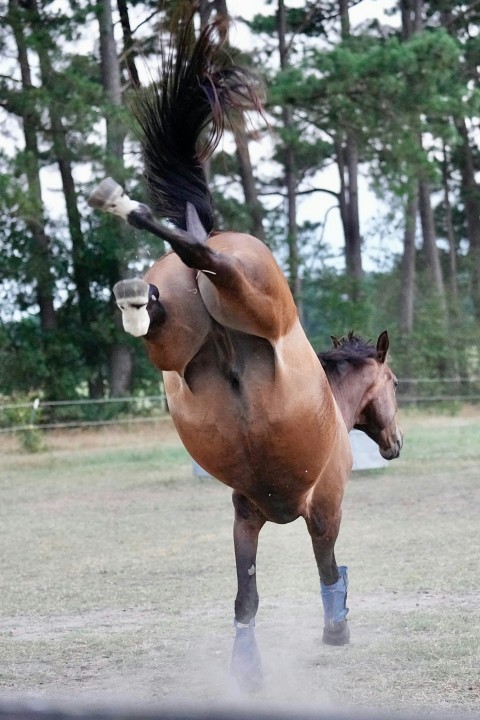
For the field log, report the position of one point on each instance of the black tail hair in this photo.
(199, 88)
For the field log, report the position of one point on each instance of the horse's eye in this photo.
(395, 382)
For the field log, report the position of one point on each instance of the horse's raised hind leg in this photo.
(245, 286)
(333, 579)
(246, 666)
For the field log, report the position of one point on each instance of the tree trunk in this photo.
(432, 259)
(120, 370)
(452, 250)
(120, 360)
(417, 15)
(344, 18)
(353, 241)
(206, 7)
(247, 176)
(470, 192)
(455, 311)
(248, 180)
(407, 271)
(430, 242)
(347, 160)
(45, 281)
(90, 348)
(290, 169)
(129, 53)
(412, 17)
(111, 81)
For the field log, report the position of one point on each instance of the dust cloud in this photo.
(295, 667)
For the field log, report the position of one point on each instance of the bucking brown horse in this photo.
(246, 391)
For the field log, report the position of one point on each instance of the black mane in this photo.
(351, 349)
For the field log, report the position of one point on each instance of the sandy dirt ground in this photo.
(118, 579)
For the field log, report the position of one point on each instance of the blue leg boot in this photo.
(334, 598)
(246, 665)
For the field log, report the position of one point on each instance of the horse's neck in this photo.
(348, 396)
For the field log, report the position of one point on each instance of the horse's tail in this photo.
(183, 116)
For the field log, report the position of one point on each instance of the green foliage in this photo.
(432, 350)
(328, 309)
(18, 410)
(31, 440)
(308, 20)
(311, 154)
(32, 360)
(232, 213)
(388, 91)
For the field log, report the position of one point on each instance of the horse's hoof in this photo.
(246, 665)
(248, 684)
(132, 298)
(134, 290)
(105, 194)
(336, 634)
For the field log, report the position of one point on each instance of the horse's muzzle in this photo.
(393, 450)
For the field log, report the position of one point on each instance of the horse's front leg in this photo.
(323, 529)
(246, 664)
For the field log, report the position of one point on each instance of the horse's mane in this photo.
(351, 349)
(182, 117)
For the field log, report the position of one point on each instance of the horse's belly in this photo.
(273, 456)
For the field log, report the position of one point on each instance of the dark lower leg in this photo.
(333, 582)
(246, 528)
(334, 600)
(246, 666)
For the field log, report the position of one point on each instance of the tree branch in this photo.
(302, 192)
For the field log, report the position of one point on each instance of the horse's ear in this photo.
(336, 342)
(194, 224)
(382, 346)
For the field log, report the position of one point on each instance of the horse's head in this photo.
(364, 386)
(377, 413)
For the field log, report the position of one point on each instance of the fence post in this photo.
(32, 436)
(35, 406)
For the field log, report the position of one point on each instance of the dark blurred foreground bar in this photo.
(40, 710)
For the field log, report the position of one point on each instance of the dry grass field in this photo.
(118, 580)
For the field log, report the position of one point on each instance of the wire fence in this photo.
(63, 414)
(432, 391)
